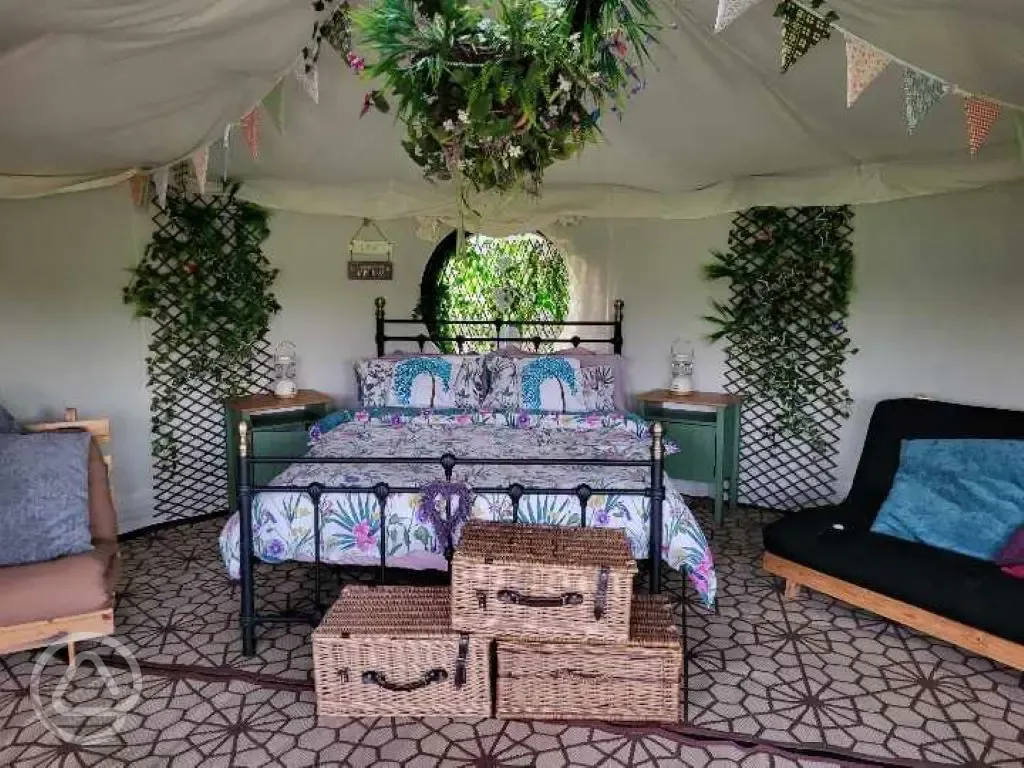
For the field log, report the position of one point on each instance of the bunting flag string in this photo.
(139, 184)
(251, 132)
(309, 79)
(273, 105)
(921, 92)
(200, 164)
(801, 31)
(864, 63)
(981, 115)
(730, 10)
(161, 178)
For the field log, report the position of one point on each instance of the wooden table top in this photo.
(269, 402)
(712, 399)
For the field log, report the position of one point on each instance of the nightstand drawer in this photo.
(696, 458)
(289, 442)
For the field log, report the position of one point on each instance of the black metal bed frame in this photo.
(247, 491)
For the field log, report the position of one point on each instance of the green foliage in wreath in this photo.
(496, 98)
(206, 284)
(790, 278)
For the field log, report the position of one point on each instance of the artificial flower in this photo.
(463, 116)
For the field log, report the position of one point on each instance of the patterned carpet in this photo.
(769, 683)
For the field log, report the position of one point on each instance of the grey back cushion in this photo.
(7, 423)
(44, 496)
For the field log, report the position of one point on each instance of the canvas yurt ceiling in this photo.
(94, 89)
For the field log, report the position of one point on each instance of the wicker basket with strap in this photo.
(635, 681)
(542, 582)
(391, 651)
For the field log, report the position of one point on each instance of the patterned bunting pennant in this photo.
(139, 184)
(920, 93)
(863, 64)
(1019, 121)
(200, 164)
(981, 116)
(251, 132)
(730, 10)
(309, 79)
(801, 31)
(161, 177)
(273, 103)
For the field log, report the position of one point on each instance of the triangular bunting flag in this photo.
(200, 163)
(308, 78)
(981, 116)
(920, 93)
(1019, 120)
(730, 10)
(273, 103)
(225, 153)
(161, 177)
(801, 31)
(251, 132)
(863, 64)
(139, 184)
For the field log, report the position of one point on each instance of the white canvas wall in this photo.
(937, 306)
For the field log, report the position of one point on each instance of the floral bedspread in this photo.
(351, 524)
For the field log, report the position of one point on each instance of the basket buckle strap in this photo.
(601, 596)
(513, 597)
(460, 661)
(436, 675)
(481, 599)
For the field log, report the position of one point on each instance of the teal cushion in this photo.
(965, 496)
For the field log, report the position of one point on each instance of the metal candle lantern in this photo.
(285, 363)
(682, 367)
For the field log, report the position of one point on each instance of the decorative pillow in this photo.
(1011, 556)
(544, 383)
(8, 426)
(44, 496)
(965, 496)
(422, 381)
(599, 378)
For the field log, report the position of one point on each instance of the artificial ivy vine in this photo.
(790, 273)
(206, 285)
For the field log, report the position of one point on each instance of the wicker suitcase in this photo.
(635, 681)
(391, 651)
(542, 582)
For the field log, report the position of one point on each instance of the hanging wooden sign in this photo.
(370, 269)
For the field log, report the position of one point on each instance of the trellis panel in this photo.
(191, 480)
(780, 469)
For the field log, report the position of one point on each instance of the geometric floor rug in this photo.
(768, 682)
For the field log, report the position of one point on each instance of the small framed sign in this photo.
(370, 269)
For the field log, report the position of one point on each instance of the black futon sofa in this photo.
(965, 601)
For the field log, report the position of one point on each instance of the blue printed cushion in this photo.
(427, 381)
(548, 383)
(965, 496)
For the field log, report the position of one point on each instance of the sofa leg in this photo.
(793, 590)
(71, 653)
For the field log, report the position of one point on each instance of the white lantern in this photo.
(285, 361)
(682, 367)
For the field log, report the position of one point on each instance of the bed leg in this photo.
(248, 613)
(71, 653)
(793, 590)
(657, 501)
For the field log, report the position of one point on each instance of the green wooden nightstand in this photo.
(708, 434)
(279, 427)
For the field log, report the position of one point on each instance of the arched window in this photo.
(520, 277)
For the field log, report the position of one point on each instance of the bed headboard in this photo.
(491, 331)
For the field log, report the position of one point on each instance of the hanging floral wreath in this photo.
(495, 98)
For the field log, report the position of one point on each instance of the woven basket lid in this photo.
(651, 623)
(546, 544)
(412, 611)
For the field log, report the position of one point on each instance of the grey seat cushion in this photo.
(8, 425)
(44, 496)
